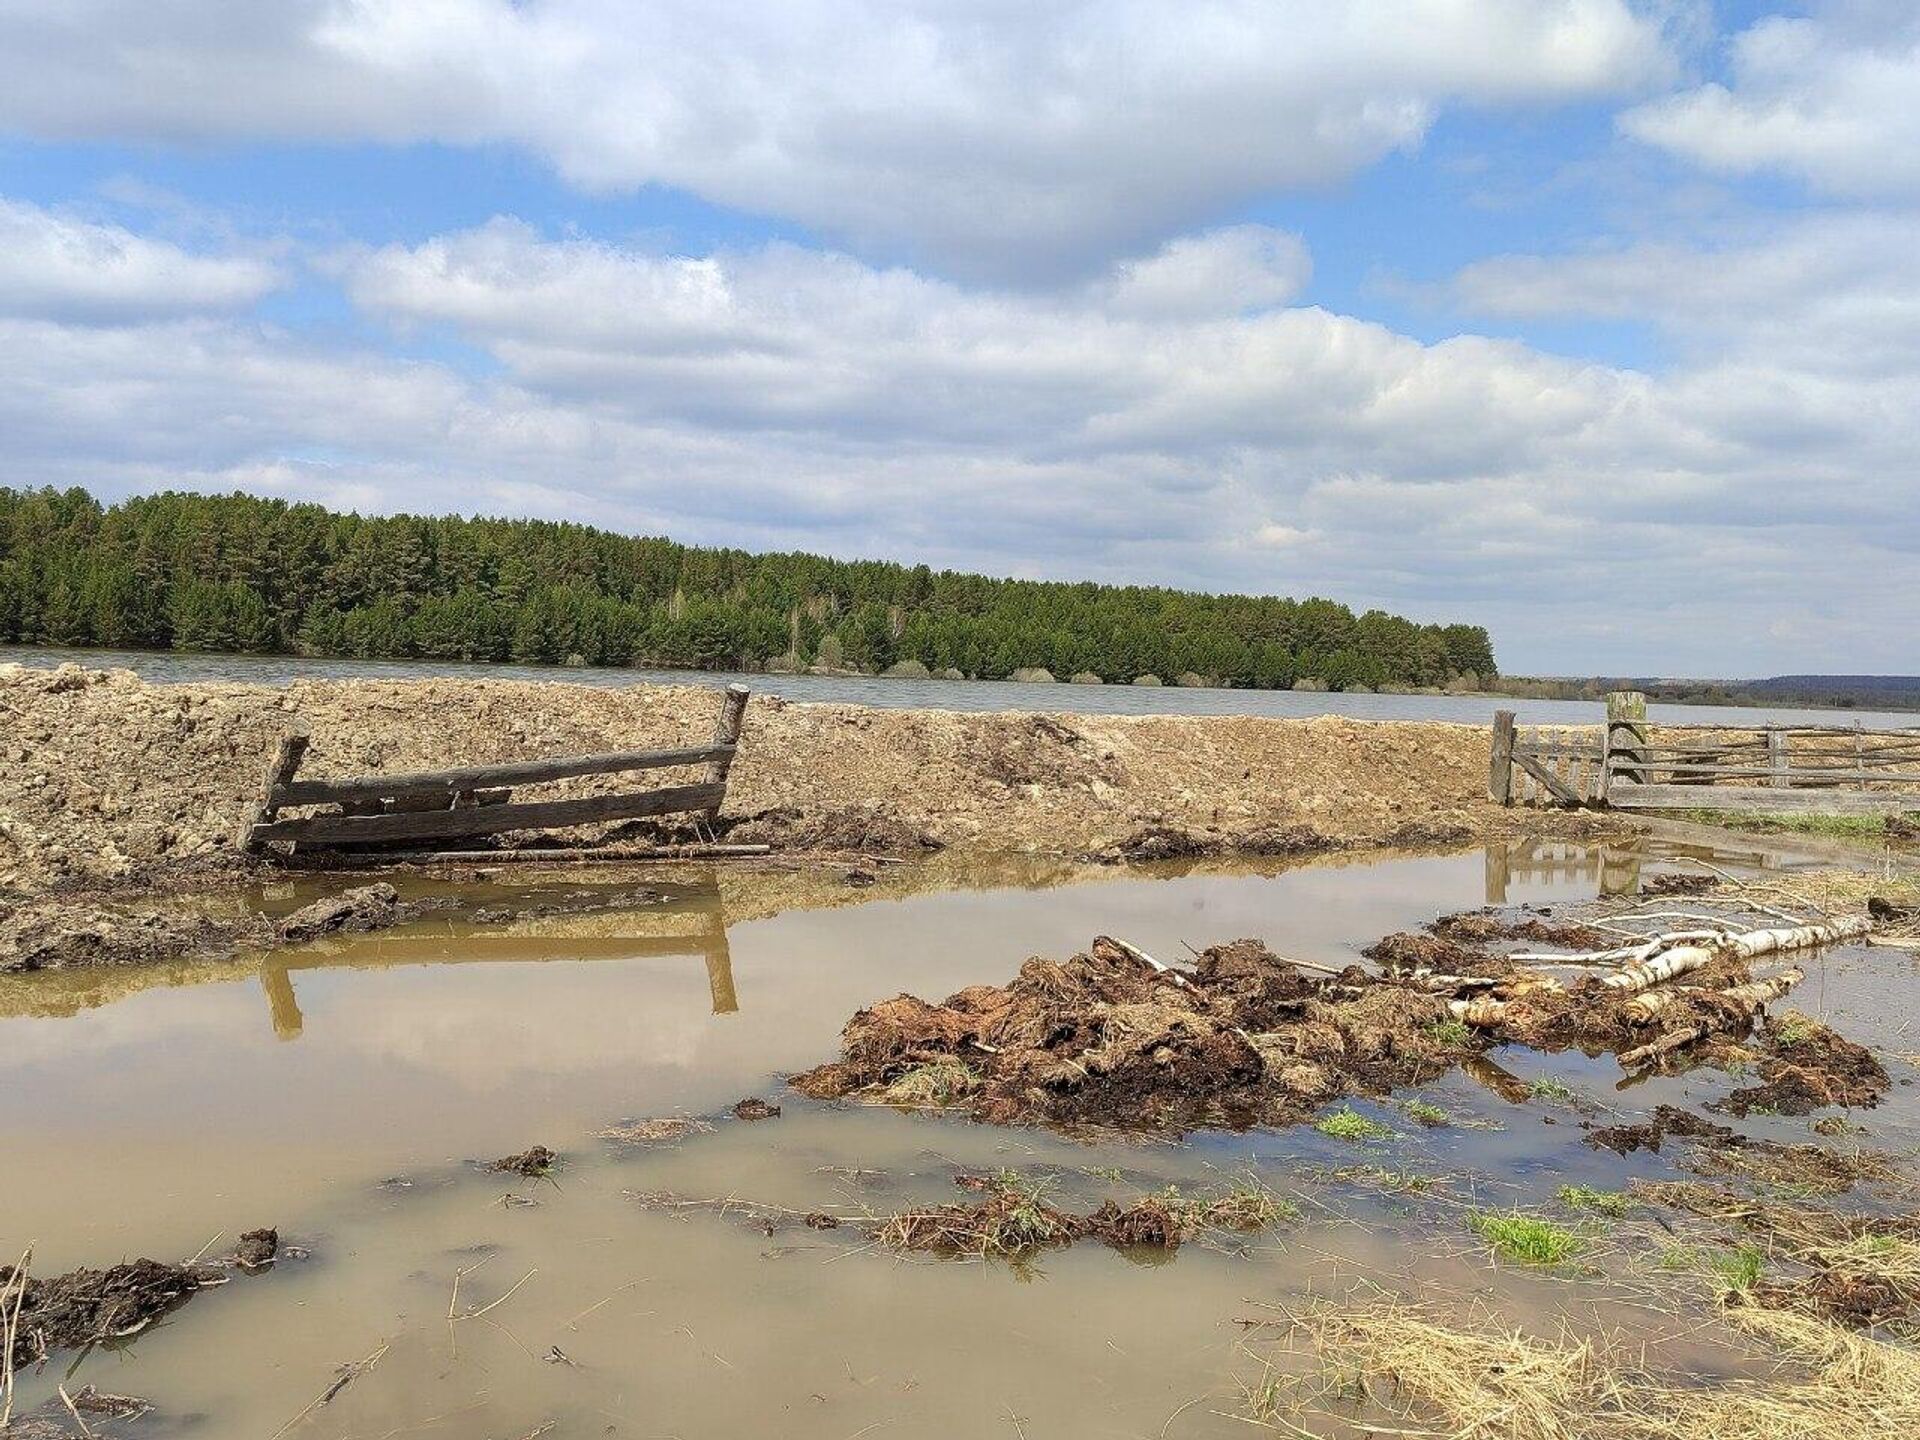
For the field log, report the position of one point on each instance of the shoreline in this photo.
(118, 793)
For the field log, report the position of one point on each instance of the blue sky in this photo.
(1470, 309)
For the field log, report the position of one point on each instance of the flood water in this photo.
(341, 1091)
(172, 667)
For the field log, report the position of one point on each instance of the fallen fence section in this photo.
(1773, 769)
(474, 800)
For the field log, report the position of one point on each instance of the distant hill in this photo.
(1879, 689)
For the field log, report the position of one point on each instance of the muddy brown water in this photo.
(340, 1092)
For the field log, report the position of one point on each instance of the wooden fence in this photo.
(1781, 769)
(477, 800)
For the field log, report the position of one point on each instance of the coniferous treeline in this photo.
(241, 573)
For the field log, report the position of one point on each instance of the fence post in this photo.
(1777, 758)
(1500, 766)
(726, 731)
(1626, 738)
(280, 771)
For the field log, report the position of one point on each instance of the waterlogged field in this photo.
(666, 1279)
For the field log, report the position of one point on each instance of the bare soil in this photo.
(105, 777)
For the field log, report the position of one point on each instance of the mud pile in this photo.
(84, 1307)
(1106, 1038)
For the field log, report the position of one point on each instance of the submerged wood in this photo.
(1748, 997)
(552, 856)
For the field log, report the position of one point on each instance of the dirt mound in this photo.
(754, 1108)
(1107, 1038)
(104, 776)
(1171, 842)
(1806, 1066)
(63, 933)
(1480, 927)
(84, 1307)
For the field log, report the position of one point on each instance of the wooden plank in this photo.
(490, 819)
(1765, 774)
(280, 771)
(1500, 762)
(1574, 750)
(509, 773)
(1552, 782)
(1765, 799)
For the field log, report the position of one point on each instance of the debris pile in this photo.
(85, 1307)
(1114, 1037)
(532, 1163)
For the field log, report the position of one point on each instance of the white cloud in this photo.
(984, 136)
(779, 397)
(1835, 292)
(59, 267)
(1832, 98)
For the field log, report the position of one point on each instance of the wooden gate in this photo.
(1631, 765)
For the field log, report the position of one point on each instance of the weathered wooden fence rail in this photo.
(1625, 763)
(474, 800)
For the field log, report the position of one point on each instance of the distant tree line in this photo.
(245, 574)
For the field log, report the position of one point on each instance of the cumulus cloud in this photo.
(782, 397)
(985, 137)
(1821, 293)
(59, 267)
(1832, 99)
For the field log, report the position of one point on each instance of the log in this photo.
(488, 820)
(508, 773)
(1752, 996)
(1744, 946)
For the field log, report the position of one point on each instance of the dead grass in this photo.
(1479, 1379)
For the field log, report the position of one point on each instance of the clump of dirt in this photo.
(1013, 1217)
(1678, 882)
(1171, 842)
(365, 907)
(1424, 834)
(1481, 927)
(754, 1108)
(867, 830)
(532, 1163)
(1439, 954)
(1886, 912)
(1806, 1066)
(1106, 1038)
(85, 1307)
(257, 1249)
(1725, 1152)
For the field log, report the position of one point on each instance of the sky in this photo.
(1596, 322)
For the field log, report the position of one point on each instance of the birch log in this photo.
(1745, 946)
(1752, 996)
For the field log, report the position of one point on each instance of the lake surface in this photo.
(972, 695)
(341, 1091)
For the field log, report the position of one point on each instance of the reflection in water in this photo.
(162, 1102)
(693, 917)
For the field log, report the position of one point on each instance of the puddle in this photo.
(146, 1113)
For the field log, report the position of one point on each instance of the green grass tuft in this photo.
(1426, 1114)
(1550, 1087)
(1346, 1123)
(1450, 1032)
(1526, 1238)
(1739, 1270)
(1613, 1203)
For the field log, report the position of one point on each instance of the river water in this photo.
(341, 1091)
(974, 695)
